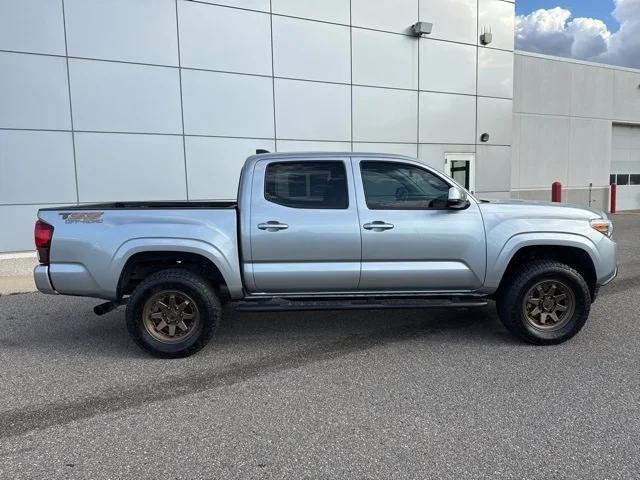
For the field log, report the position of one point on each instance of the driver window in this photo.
(399, 186)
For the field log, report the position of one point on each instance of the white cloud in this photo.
(555, 32)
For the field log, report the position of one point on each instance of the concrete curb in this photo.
(16, 273)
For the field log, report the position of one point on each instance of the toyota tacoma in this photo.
(314, 231)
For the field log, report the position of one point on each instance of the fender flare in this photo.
(230, 272)
(531, 239)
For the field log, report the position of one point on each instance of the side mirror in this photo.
(457, 199)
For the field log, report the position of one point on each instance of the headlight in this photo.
(603, 226)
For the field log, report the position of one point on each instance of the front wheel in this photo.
(544, 302)
(173, 313)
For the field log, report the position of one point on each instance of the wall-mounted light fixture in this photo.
(484, 138)
(486, 38)
(422, 28)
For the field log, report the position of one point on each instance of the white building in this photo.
(579, 124)
(164, 99)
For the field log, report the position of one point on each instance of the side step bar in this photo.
(282, 304)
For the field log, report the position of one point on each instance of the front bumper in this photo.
(610, 279)
(42, 280)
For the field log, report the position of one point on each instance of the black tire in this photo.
(208, 309)
(511, 300)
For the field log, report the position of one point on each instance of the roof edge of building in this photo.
(575, 61)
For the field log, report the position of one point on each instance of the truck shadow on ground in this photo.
(107, 335)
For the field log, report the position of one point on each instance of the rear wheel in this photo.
(544, 302)
(173, 313)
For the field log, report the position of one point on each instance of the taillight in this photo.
(43, 234)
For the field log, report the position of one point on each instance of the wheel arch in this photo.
(575, 256)
(140, 265)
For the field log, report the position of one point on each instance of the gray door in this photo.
(305, 234)
(410, 240)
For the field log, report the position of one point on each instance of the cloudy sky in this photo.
(606, 31)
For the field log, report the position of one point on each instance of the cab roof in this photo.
(311, 156)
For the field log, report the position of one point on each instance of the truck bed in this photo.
(91, 244)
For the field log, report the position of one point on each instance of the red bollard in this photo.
(614, 197)
(556, 192)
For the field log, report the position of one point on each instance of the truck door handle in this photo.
(378, 226)
(273, 226)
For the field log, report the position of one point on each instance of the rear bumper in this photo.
(42, 280)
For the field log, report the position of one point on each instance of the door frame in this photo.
(449, 158)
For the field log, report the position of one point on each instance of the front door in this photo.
(410, 240)
(305, 234)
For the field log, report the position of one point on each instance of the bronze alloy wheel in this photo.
(170, 316)
(548, 305)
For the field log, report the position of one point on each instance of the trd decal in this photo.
(82, 217)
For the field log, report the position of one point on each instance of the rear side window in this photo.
(399, 186)
(314, 185)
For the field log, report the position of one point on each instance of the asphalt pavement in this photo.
(338, 395)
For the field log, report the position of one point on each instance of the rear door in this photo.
(305, 233)
(410, 240)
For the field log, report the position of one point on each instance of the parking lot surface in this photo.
(382, 394)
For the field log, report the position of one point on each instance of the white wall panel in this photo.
(311, 146)
(385, 59)
(395, 16)
(543, 86)
(592, 91)
(135, 31)
(311, 50)
(32, 26)
(495, 117)
(221, 38)
(447, 118)
(493, 168)
(626, 97)
(17, 227)
(33, 92)
(127, 167)
(313, 111)
(590, 152)
(384, 115)
(515, 152)
(447, 67)
(227, 104)
(336, 11)
(497, 16)
(408, 149)
(543, 150)
(214, 164)
(495, 73)
(454, 20)
(36, 167)
(119, 97)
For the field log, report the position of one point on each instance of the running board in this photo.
(281, 304)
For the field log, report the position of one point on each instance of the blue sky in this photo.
(581, 29)
(600, 9)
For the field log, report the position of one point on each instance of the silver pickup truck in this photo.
(328, 231)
